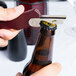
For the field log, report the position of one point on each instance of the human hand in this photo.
(7, 15)
(49, 70)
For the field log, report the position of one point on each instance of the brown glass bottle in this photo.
(42, 55)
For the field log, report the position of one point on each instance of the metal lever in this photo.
(57, 19)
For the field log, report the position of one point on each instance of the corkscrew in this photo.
(55, 19)
(30, 18)
(21, 21)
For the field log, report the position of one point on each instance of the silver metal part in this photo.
(56, 19)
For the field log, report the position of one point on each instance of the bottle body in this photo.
(30, 32)
(17, 48)
(42, 55)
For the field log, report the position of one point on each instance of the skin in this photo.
(7, 15)
(7, 34)
(50, 70)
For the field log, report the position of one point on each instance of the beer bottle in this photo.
(42, 55)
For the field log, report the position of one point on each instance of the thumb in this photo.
(50, 70)
(11, 13)
(19, 74)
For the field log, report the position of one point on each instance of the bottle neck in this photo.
(47, 33)
(43, 50)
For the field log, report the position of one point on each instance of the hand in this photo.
(50, 70)
(7, 15)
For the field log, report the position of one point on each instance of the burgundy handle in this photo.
(20, 22)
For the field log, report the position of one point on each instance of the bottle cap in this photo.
(48, 25)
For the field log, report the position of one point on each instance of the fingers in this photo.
(19, 74)
(3, 42)
(50, 70)
(10, 13)
(8, 34)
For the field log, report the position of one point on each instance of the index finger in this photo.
(11, 13)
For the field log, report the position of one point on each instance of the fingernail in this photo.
(18, 74)
(57, 66)
(20, 8)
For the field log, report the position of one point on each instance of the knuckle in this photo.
(8, 13)
(3, 43)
